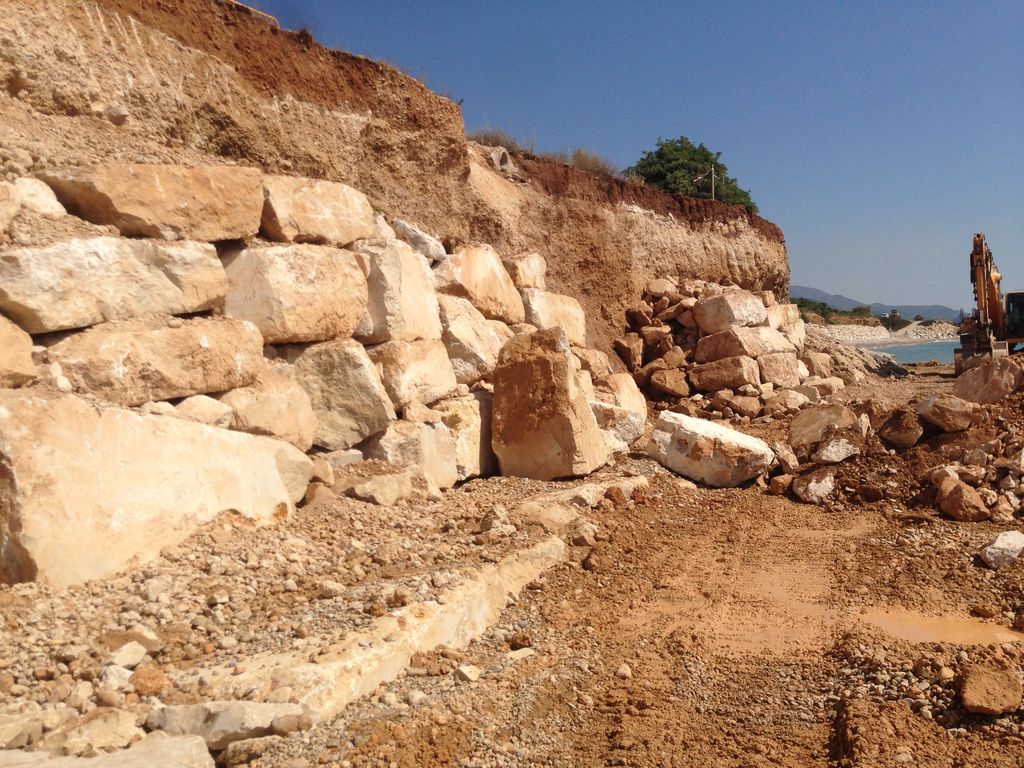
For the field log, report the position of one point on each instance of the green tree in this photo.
(679, 167)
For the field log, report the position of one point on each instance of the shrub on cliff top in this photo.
(680, 167)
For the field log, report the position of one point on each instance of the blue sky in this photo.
(879, 136)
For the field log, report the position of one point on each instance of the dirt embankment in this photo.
(208, 82)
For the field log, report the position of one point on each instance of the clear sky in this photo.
(879, 136)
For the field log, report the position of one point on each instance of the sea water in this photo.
(941, 351)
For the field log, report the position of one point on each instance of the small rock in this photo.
(468, 673)
(624, 672)
(990, 690)
(1004, 549)
(129, 655)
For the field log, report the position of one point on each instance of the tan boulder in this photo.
(782, 315)
(818, 363)
(961, 502)
(795, 334)
(671, 381)
(37, 197)
(630, 349)
(473, 342)
(725, 373)
(427, 450)
(81, 282)
(275, 405)
(543, 426)
(621, 426)
(205, 410)
(345, 389)
(901, 429)
(991, 381)
(173, 202)
(527, 270)
(808, 427)
(16, 366)
(626, 394)
(10, 204)
(785, 400)
(426, 245)
(468, 419)
(414, 370)
(988, 689)
(547, 310)
(731, 308)
(296, 293)
(98, 490)
(748, 342)
(780, 369)
(947, 412)
(478, 272)
(595, 362)
(707, 451)
(298, 210)
(136, 361)
(402, 303)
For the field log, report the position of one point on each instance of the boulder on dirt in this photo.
(990, 690)
(99, 489)
(274, 405)
(543, 427)
(748, 342)
(156, 749)
(630, 349)
(784, 401)
(780, 368)
(298, 210)
(808, 427)
(527, 270)
(707, 451)
(481, 277)
(818, 363)
(136, 361)
(16, 366)
(346, 391)
(947, 412)
(814, 487)
(472, 341)
(1003, 550)
(726, 373)
(547, 310)
(622, 427)
(728, 309)
(427, 450)
(81, 282)
(402, 302)
(173, 202)
(427, 246)
(36, 196)
(901, 429)
(833, 450)
(991, 381)
(672, 382)
(961, 502)
(468, 419)
(786, 457)
(626, 394)
(99, 730)
(414, 370)
(384, 490)
(220, 722)
(296, 293)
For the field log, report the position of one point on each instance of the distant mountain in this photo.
(845, 304)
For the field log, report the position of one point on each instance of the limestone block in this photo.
(782, 315)
(402, 303)
(595, 362)
(622, 427)
(707, 451)
(137, 361)
(725, 373)
(173, 202)
(385, 490)
(220, 722)
(818, 363)
(346, 392)
(296, 293)
(156, 749)
(425, 449)
(749, 342)
(97, 490)
(815, 487)
(626, 394)
(671, 381)
(478, 272)
(275, 405)
(414, 370)
(1003, 550)
(785, 400)
(731, 308)
(205, 410)
(543, 425)
(780, 369)
(10, 204)
(102, 729)
(947, 412)
(991, 381)
(37, 197)
(16, 366)
(81, 282)
(468, 419)
(795, 334)
(425, 245)
(298, 210)
(808, 427)
(472, 341)
(547, 310)
(527, 270)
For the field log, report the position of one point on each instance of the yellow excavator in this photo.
(997, 324)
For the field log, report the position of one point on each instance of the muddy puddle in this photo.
(921, 628)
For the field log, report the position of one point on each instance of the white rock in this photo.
(477, 270)
(414, 370)
(835, 450)
(402, 302)
(429, 247)
(314, 211)
(622, 427)
(1004, 549)
(468, 419)
(220, 722)
(472, 341)
(731, 308)
(276, 406)
(548, 310)
(205, 410)
(129, 655)
(426, 449)
(527, 270)
(37, 197)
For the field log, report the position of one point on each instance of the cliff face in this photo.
(208, 82)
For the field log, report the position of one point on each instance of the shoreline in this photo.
(897, 342)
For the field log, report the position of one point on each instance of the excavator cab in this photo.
(1014, 318)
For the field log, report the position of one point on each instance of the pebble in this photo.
(624, 672)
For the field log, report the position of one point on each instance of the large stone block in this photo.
(947, 412)
(402, 302)
(626, 394)
(298, 210)
(426, 449)
(81, 282)
(426, 245)
(472, 341)
(36, 196)
(808, 428)
(468, 420)
(296, 293)
(156, 749)
(527, 270)
(10, 204)
(87, 492)
(346, 391)
(276, 406)
(749, 342)
(795, 333)
(732, 308)
(782, 315)
(173, 202)
(707, 451)
(991, 381)
(621, 426)
(543, 425)
(16, 366)
(478, 272)
(780, 368)
(220, 723)
(548, 310)
(414, 370)
(136, 361)
(726, 373)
